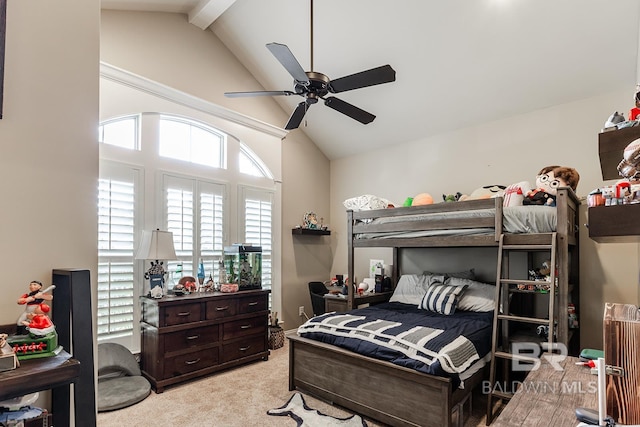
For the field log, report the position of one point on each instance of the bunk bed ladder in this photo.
(502, 340)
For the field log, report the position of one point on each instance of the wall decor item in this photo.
(3, 22)
(311, 220)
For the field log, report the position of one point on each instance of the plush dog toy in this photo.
(484, 192)
(548, 180)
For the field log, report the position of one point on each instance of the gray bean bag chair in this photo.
(120, 382)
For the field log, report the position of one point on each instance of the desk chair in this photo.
(317, 290)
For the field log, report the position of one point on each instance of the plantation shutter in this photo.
(258, 226)
(116, 264)
(194, 212)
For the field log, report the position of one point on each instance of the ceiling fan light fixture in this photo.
(312, 85)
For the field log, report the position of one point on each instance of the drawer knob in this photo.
(184, 313)
(193, 337)
(192, 362)
(253, 303)
(245, 348)
(226, 307)
(245, 326)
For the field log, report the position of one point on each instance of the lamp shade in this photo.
(156, 244)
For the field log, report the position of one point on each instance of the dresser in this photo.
(185, 337)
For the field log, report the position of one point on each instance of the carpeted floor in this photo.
(235, 398)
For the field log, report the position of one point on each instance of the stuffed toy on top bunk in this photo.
(548, 180)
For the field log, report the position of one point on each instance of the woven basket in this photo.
(276, 337)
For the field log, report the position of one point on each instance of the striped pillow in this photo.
(441, 298)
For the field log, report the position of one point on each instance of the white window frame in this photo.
(158, 99)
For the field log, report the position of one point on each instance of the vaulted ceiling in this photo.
(458, 63)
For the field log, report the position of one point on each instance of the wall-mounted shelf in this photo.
(310, 232)
(615, 224)
(611, 145)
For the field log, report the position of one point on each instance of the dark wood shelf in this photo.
(615, 224)
(310, 232)
(38, 375)
(611, 145)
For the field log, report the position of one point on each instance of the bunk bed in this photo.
(401, 396)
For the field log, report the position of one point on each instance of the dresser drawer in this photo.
(252, 304)
(191, 362)
(217, 309)
(183, 313)
(244, 327)
(190, 338)
(243, 348)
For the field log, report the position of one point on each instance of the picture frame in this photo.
(3, 26)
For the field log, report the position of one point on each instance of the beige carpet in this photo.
(235, 398)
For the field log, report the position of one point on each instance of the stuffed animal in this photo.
(484, 192)
(452, 197)
(422, 199)
(635, 111)
(548, 181)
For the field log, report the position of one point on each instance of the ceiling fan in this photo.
(313, 86)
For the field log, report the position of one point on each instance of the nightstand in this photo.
(338, 303)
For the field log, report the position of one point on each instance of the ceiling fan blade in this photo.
(349, 110)
(259, 93)
(297, 116)
(288, 61)
(374, 76)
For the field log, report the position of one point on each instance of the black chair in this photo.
(317, 290)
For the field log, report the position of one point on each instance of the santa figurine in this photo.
(548, 180)
(38, 322)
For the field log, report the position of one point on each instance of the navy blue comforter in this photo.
(407, 336)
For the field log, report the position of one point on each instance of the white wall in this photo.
(165, 48)
(49, 150)
(501, 152)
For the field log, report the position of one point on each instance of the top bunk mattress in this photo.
(516, 220)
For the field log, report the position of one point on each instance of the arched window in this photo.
(121, 132)
(251, 164)
(190, 141)
(175, 176)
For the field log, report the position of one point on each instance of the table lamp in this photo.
(156, 245)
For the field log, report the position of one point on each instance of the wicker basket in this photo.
(276, 337)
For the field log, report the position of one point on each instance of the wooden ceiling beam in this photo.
(207, 11)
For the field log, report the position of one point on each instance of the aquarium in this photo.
(243, 265)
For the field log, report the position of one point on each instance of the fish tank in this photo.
(243, 265)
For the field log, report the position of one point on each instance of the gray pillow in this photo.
(478, 296)
(410, 289)
(466, 274)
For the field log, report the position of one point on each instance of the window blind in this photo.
(116, 231)
(258, 224)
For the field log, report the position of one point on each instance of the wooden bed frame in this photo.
(399, 396)
(376, 389)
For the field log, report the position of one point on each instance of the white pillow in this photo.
(410, 289)
(366, 202)
(514, 194)
(441, 298)
(477, 296)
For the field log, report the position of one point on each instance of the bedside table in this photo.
(338, 303)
